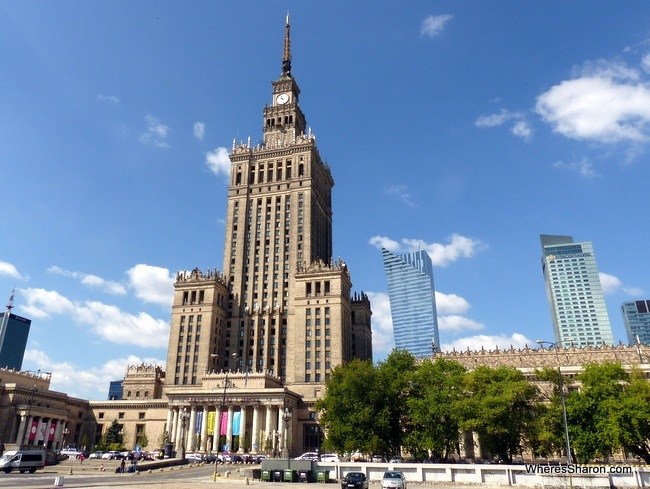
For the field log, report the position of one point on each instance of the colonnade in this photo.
(262, 427)
(39, 430)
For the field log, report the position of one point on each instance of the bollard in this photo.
(70, 471)
(246, 480)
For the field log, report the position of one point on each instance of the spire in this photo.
(10, 306)
(286, 59)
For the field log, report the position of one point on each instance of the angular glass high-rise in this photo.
(636, 316)
(13, 340)
(412, 301)
(574, 292)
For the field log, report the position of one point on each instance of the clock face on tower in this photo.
(283, 98)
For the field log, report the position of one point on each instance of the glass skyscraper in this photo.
(574, 292)
(412, 301)
(13, 340)
(636, 316)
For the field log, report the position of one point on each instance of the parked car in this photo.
(97, 454)
(112, 455)
(308, 456)
(378, 458)
(393, 479)
(396, 460)
(330, 458)
(354, 480)
(256, 459)
(71, 452)
(194, 457)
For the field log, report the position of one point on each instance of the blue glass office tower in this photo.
(636, 316)
(412, 301)
(574, 292)
(14, 331)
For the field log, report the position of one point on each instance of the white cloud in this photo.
(450, 304)
(91, 280)
(434, 24)
(585, 168)
(85, 384)
(218, 161)
(106, 321)
(520, 127)
(614, 285)
(382, 325)
(475, 343)
(199, 130)
(606, 103)
(455, 324)
(156, 133)
(402, 193)
(441, 254)
(152, 284)
(645, 63)
(108, 98)
(10, 270)
(384, 242)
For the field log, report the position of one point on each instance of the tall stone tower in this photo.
(282, 305)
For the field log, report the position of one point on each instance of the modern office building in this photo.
(574, 292)
(14, 331)
(115, 391)
(412, 301)
(636, 317)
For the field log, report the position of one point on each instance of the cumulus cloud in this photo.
(9, 270)
(606, 102)
(441, 254)
(584, 168)
(451, 304)
(156, 133)
(455, 323)
(520, 127)
(434, 24)
(382, 324)
(106, 321)
(91, 280)
(475, 343)
(614, 285)
(218, 161)
(199, 130)
(152, 284)
(85, 384)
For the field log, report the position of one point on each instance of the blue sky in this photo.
(464, 128)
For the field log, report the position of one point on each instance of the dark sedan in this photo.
(354, 480)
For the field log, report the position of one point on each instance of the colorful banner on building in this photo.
(224, 423)
(32, 432)
(41, 432)
(236, 421)
(197, 425)
(211, 419)
(50, 437)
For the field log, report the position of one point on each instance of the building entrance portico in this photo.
(244, 416)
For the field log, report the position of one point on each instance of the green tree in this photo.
(433, 404)
(395, 378)
(113, 434)
(590, 412)
(499, 406)
(142, 440)
(630, 423)
(354, 411)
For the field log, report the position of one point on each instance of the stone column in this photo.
(28, 429)
(204, 429)
(20, 436)
(170, 424)
(255, 439)
(268, 429)
(242, 429)
(179, 431)
(191, 429)
(173, 435)
(217, 430)
(231, 411)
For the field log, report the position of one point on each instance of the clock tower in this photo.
(283, 120)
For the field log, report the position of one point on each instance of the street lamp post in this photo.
(217, 432)
(554, 346)
(184, 417)
(286, 417)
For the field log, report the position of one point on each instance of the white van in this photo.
(22, 460)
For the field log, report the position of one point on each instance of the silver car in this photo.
(393, 479)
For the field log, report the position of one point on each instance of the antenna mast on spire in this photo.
(286, 59)
(5, 318)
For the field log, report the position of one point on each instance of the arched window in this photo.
(301, 170)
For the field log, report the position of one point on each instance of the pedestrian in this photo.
(101, 468)
(81, 458)
(122, 465)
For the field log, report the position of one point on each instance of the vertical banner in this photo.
(211, 420)
(41, 432)
(50, 438)
(199, 421)
(236, 418)
(32, 432)
(224, 423)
